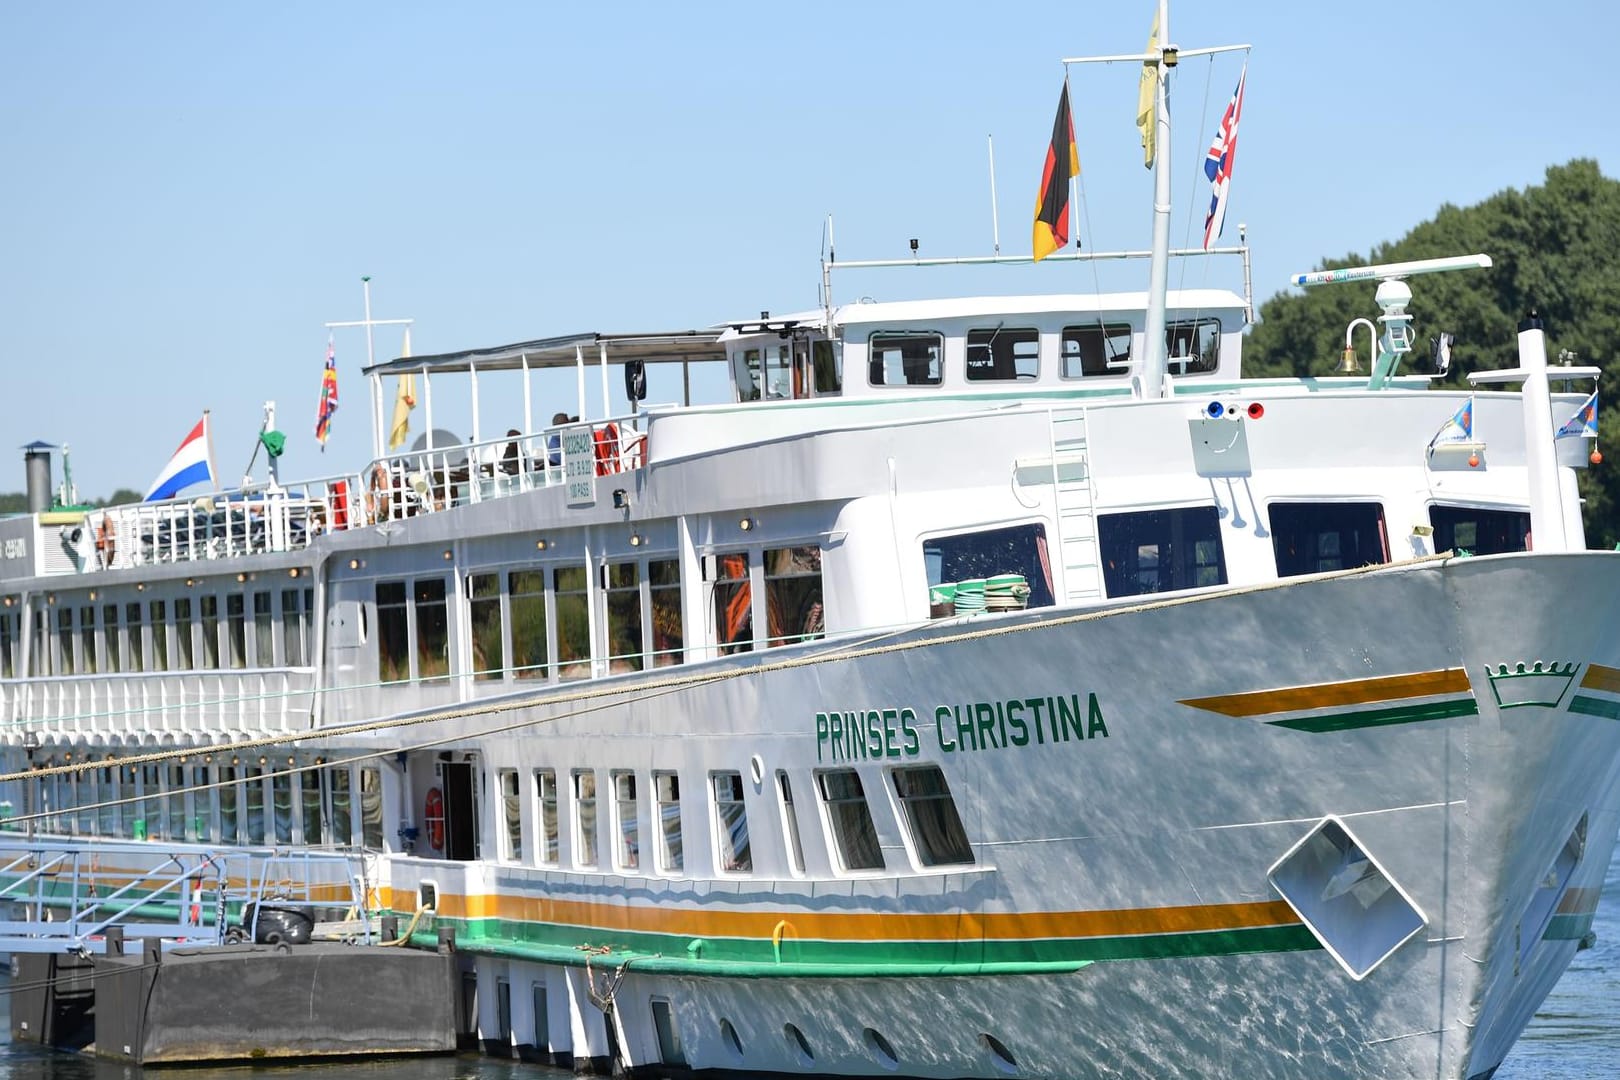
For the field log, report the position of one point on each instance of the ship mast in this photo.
(1161, 56)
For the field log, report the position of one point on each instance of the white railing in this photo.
(261, 701)
(261, 520)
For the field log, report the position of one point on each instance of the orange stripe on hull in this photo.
(1602, 678)
(1336, 694)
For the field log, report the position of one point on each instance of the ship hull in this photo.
(1455, 718)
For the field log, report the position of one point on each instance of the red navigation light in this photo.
(1256, 410)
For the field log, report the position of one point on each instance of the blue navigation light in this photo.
(1214, 409)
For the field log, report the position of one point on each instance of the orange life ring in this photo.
(107, 539)
(433, 815)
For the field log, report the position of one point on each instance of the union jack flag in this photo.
(329, 396)
(1218, 162)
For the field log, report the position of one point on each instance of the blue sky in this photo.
(191, 190)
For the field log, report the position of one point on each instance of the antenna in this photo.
(995, 224)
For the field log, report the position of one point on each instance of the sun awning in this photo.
(690, 346)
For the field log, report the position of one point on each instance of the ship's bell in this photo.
(1348, 365)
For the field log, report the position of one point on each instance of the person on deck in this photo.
(554, 440)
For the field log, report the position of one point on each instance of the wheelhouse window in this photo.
(854, 836)
(545, 784)
(906, 359)
(585, 815)
(484, 622)
(733, 604)
(1157, 551)
(527, 596)
(936, 827)
(763, 372)
(1016, 549)
(793, 594)
(393, 633)
(1311, 538)
(627, 853)
(511, 816)
(731, 823)
(1478, 531)
(667, 793)
(1192, 347)
(1002, 355)
(827, 364)
(1097, 349)
(432, 629)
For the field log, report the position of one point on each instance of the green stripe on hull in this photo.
(1591, 706)
(1568, 927)
(754, 958)
(1404, 714)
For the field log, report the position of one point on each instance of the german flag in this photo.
(1062, 165)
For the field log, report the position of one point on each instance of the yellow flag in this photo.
(1147, 119)
(404, 402)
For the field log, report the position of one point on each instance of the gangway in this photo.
(64, 896)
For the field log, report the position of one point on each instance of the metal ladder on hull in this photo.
(1077, 522)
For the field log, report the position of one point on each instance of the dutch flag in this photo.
(193, 463)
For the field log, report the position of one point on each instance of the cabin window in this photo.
(854, 836)
(1479, 532)
(667, 793)
(371, 822)
(1157, 551)
(484, 617)
(828, 365)
(264, 631)
(545, 785)
(87, 640)
(793, 594)
(208, 610)
(202, 800)
(63, 658)
(573, 622)
(1311, 538)
(978, 556)
(731, 823)
(176, 791)
(310, 786)
(393, 633)
(109, 814)
(432, 629)
(8, 644)
(109, 631)
(585, 815)
(733, 604)
(627, 853)
(527, 596)
(906, 359)
(936, 827)
(1001, 355)
(511, 816)
(342, 806)
(295, 626)
(253, 806)
(664, 590)
(281, 806)
(236, 629)
(623, 617)
(134, 639)
(1097, 349)
(1192, 347)
(790, 821)
(151, 804)
(227, 805)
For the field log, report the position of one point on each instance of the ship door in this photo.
(460, 810)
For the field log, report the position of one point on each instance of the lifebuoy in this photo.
(434, 816)
(107, 539)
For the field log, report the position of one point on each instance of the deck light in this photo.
(635, 540)
(241, 578)
(140, 586)
(293, 572)
(746, 524)
(8, 601)
(51, 598)
(540, 545)
(448, 554)
(92, 594)
(190, 582)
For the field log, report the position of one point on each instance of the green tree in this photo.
(1555, 249)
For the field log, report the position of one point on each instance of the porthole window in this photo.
(881, 1049)
(1000, 1056)
(728, 1035)
(798, 1045)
